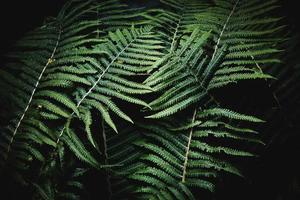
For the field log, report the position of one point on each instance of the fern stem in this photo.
(188, 148)
(50, 60)
(175, 34)
(176, 30)
(224, 28)
(106, 159)
(102, 74)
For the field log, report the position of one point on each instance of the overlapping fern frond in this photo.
(248, 31)
(125, 53)
(172, 23)
(220, 54)
(79, 77)
(231, 56)
(179, 160)
(189, 74)
(50, 61)
(65, 55)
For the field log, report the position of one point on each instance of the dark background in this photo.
(19, 16)
(271, 177)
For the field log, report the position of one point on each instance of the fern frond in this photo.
(79, 149)
(188, 75)
(182, 159)
(249, 35)
(39, 86)
(108, 85)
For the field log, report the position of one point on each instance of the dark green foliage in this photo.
(131, 93)
(181, 159)
(37, 81)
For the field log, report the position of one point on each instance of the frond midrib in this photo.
(49, 61)
(186, 157)
(99, 78)
(223, 29)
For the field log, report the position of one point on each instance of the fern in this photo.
(81, 80)
(121, 61)
(176, 161)
(173, 22)
(69, 62)
(37, 91)
(218, 69)
(190, 75)
(248, 35)
(187, 75)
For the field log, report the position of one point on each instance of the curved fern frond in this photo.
(174, 21)
(37, 79)
(91, 69)
(127, 52)
(246, 29)
(189, 74)
(176, 161)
